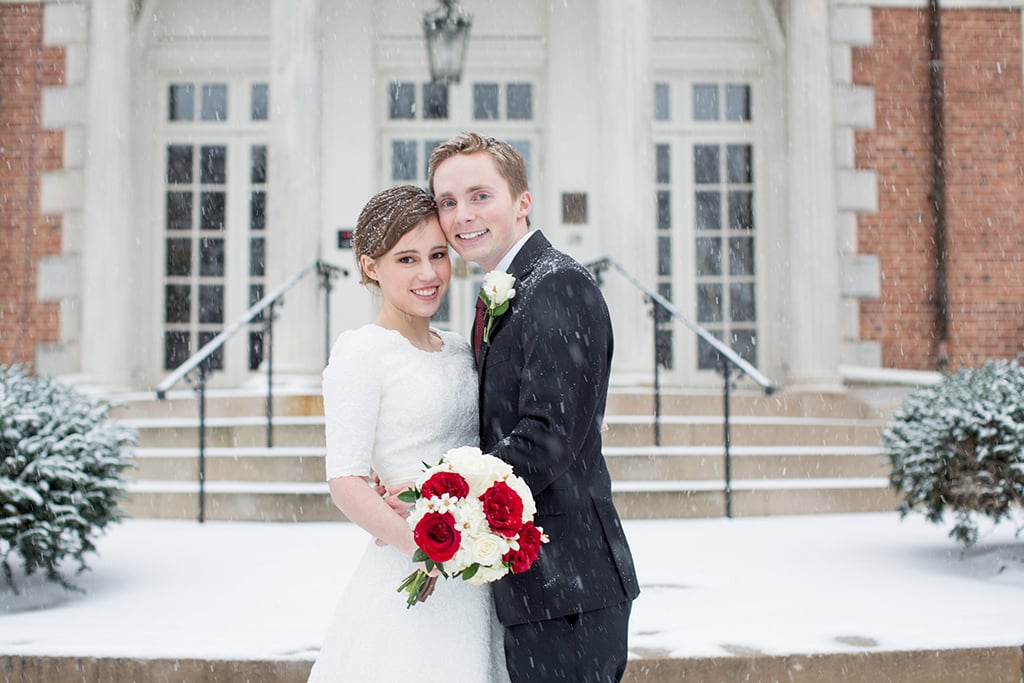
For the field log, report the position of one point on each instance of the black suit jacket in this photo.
(543, 386)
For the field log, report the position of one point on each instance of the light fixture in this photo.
(447, 31)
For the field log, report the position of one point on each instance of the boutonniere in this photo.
(496, 291)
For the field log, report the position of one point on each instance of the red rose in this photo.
(437, 536)
(529, 549)
(503, 509)
(445, 482)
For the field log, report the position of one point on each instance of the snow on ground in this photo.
(711, 587)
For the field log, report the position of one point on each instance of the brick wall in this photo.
(984, 126)
(26, 151)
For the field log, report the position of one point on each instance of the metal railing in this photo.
(729, 362)
(200, 364)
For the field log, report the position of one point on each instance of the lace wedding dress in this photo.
(390, 406)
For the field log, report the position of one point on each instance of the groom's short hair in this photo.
(507, 160)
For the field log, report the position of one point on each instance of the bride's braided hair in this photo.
(386, 217)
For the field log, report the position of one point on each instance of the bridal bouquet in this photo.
(471, 518)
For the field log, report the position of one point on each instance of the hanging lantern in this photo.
(447, 32)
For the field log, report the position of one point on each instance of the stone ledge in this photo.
(968, 665)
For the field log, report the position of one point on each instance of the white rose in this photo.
(520, 487)
(488, 574)
(488, 549)
(479, 470)
(498, 288)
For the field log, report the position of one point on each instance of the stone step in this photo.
(635, 499)
(621, 400)
(306, 464)
(675, 401)
(623, 430)
(745, 462)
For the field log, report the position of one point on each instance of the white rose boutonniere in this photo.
(496, 291)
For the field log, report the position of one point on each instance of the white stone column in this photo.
(108, 253)
(813, 333)
(625, 151)
(294, 184)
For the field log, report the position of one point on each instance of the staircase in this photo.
(790, 454)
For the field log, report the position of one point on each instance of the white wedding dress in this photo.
(390, 406)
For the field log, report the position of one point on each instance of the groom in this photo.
(543, 384)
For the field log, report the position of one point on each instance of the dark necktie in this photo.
(478, 327)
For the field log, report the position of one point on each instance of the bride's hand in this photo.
(393, 501)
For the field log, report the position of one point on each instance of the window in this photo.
(207, 161)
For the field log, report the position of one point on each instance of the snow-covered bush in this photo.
(959, 446)
(61, 465)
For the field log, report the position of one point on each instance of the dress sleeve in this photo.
(351, 387)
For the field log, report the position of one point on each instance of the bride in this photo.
(398, 393)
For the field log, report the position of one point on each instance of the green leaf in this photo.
(470, 571)
(409, 495)
(500, 310)
(420, 556)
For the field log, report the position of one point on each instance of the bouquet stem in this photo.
(418, 586)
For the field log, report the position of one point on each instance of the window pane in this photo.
(435, 100)
(709, 303)
(662, 161)
(664, 255)
(741, 210)
(257, 210)
(260, 102)
(213, 164)
(255, 294)
(664, 210)
(741, 256)
(176, 349)
(179, 256)
(428, 148)
(402, 100)
(744, 342)
(708, 211)
(737, 102)
(663, 348)
(211, 303)
(403, 160)
(182, 102)
(214, 106)
(258, 169)
(211, 257)
(211, 212)
(179, 164)
(255, 350)
(707, 356)
(737, 162)
(660, 314)
(709, 256)
(519, 106)
(741, 302)
(179, 210)
(705, 164)
(485, 101)
(216, 359)
(177, 303)
(257, 263)
(705, 102)
(523, 147)
(661, 110)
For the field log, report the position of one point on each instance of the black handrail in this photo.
(729, 361)
(199, 361)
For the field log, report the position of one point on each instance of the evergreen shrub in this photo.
(958, 446)
(61, 473)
